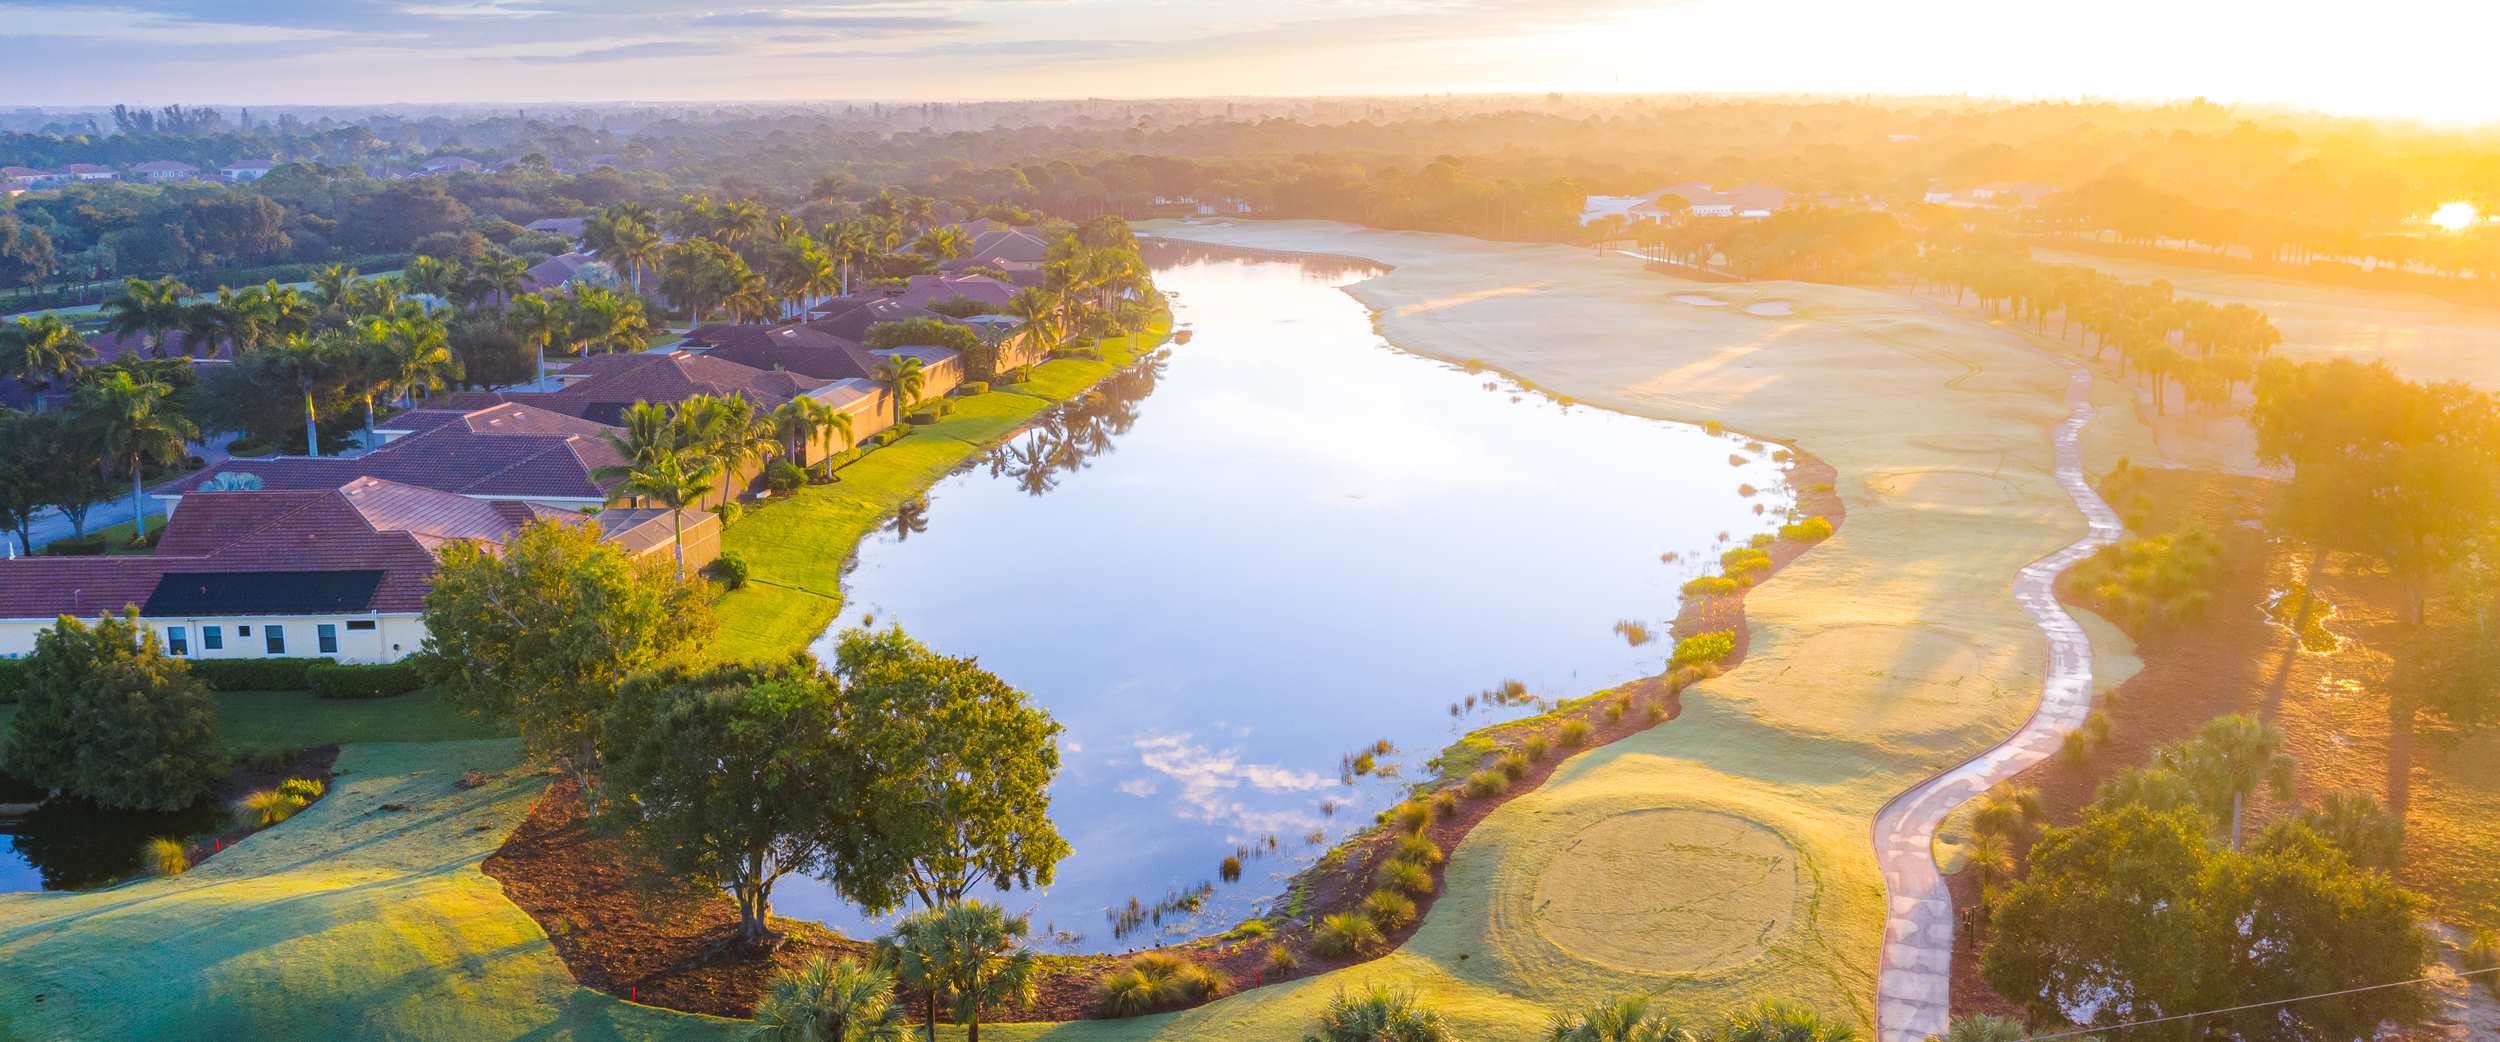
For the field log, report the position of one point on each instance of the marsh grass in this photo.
(1230, 869)
(1344, 934)
(1814, 529)
(1405, 876)
(164, 857)
(1412, 816)
(1537, 747)
(1711, 586)
(1704, 649)
(1513, 766)
(1419, 849)
(265, 808)
(1389, 910)
(1487, 784)
(1634, 632)
(1444, 803)
(1156, 980)
(1281, 959)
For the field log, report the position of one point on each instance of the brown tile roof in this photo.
(850, 317)
(805, 350)
(668, 378)
(445, 456)
(920, 291)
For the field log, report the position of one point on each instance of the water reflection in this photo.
(70, 844)
(1253, 563)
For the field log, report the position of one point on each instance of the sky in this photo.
(2421, 59)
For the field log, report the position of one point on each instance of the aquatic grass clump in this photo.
(1484, 784)
(1419, 849)
(1230, 869)
(1574, 734)
(1156, 980)
(1634, 632)
(1389, 910)
(1512, 765)
(1711, 586)
(1744, 563)
(1344, 934)
(163, 858)
(1405, 877)
(1656, 712)
(1811, 530)
(1704, 649)
(1761, 541)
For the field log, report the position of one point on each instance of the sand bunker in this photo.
(1668, 891)
(1699, 300)
(1771, 308)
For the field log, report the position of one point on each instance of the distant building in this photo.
(1999, 195)
(21, 176)
(248, 169)
(1008, 249)
(569, 227)
(165, 171)
(557, 271)
(450, 165)
(88, 172)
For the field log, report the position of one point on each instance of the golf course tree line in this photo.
(902, 776)
(2160, 902)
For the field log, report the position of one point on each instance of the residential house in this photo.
(88, 173)
(556, 272)
(166, 171)
(482, 453)
(248, 169)
(920, 291)
(1007, 249)
(1999, 195)
(21, 176)
(338, 572)
(1704, 201)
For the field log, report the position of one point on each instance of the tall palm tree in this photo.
(650, 431)
(903, 377)
(1624, 1018)
(500, 276)
(408, 355)
(147, 310)
(306, 364)
(839, 423)
(538, 321)
(42, 351)
(333, 286)
(635, 246)
(2228, 760)
(132, 429)
(830, 1001)
(849, 244)
(1036, 308)
(796, 422)
(433, 276)
(676, 482)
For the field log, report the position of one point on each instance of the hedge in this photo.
(969, 388)
(378, 680)
(256, 674)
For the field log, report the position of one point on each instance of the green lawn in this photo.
(795, 547)
(252, 720)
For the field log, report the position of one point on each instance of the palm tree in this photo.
(2229, 760)
(333, 286)
(839, 422)
(1983, 1028)
(796, 423)
(1036, 307)
(131, 430)
(829, 1001)
(634, 245)
(1379, 1015)
(911, 517)
(903, 378)
(147, 310)
(537, 321)
(1777, 1020)
(408, 355)
(985, 964)
(1625, 1018)
(499, 276)
(673, 481)
(1990, 861)
(919, 953)
(432, 276)
(651, 431)
(943, 243)
(42, 351)
(306, 363)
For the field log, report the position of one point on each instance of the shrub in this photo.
(107, 715)
(1711, 586)
(1444, 803)
(1156, 980)
(1704, 649)
(256, 674)
(1744, 563)
(730, 512)
(164, 857)
(969, 388)
(784, 477)
(889, 435)
(305, 789)
(1343, 934)
(1574, 734)
(2150, 583)
(12, 680)
(1761, 541)
(1412, 816)
(1389, 910)
(924, 416)
(1405, 876)
(1614, 711)
(1248, 930)
(1486, 783)
(729, 568)
(1512, 765)
(1536, 747)
(2482, 952)
(1811, 530)
(1420, 849)
(265, 808)
(1281, 960)
(378, 680)
(1655, 712)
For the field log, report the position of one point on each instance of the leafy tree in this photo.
(543, 634)
(489, 351)
(735, 775)
(2099, 930)
(2292, 917)
(43, 351)
(1623, 1018)
(957, 767)
(825, 1000)
(107, 715)
(22, 492)
(1379, 1015)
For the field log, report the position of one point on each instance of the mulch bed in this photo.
(622, 930)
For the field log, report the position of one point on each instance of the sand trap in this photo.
(1699, 300)
(1669, 891)
(1771, 308)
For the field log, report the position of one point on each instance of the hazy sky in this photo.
(2424, 58)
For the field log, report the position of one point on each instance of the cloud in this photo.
(629, 52)
(866, 24)
(1210, 784)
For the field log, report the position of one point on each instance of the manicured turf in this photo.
(795, 547)
(250, 720)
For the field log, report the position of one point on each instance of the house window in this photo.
(176, 641)
(328, 636)
(243, 631)
(277, 639)
(212, 638)
(359, 624)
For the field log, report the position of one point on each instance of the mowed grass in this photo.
(795, 547)
(256, 720)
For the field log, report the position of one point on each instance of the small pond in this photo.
(69, 844)
(1270, 547)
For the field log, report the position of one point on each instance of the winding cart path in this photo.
(1913, 995)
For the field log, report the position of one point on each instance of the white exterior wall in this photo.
(393, 637)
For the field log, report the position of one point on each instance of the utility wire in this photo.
(2253, 1005)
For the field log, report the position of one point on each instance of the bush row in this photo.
(351, 680)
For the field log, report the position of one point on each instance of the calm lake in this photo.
(1281, 542)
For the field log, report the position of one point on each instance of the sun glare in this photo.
(2455, 216)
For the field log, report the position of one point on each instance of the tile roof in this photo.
(851, 317)
(672, 377)
(805, 350)
(920, 291)
(445, 456)
(1011, 245)
(555, 271)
